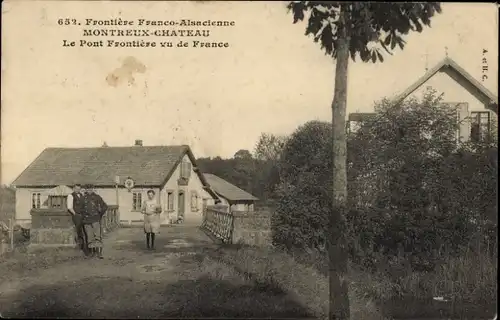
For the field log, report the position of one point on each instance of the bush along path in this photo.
(178, 279)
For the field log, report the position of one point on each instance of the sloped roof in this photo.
(60, 191)
(446, 65)
(227, 190)
(146, 165)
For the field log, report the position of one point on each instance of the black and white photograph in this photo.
(249, 159)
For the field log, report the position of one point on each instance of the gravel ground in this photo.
(178, 279)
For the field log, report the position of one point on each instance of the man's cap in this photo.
(88, 186)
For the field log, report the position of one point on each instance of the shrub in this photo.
(301, 216)
(412, 191)
(303, 208)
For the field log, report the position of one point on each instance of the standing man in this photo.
(75, 208)
(94, 209)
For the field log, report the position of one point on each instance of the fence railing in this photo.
(111, 219)
(219, 222)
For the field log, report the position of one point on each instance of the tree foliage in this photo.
(7, 203)
(407, 158)
(417, 188)
(269, 147)
(256, 176)
(413, 189)
(304, 195)
(243, 154)
(346, 29)
(305, 153)
(372, 28)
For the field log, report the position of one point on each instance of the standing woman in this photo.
(151, 210)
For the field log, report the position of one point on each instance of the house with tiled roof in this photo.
(122, 176)
(230, 195)
(477, 107)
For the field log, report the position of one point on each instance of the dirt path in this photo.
(179, 279)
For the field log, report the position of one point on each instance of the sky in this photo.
(270, 79)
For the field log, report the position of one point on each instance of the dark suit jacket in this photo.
(94, 208)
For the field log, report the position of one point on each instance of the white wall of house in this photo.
(242, 207)
(455, 92)
(194, 196)
(223, 201)
(24, 204)
(452, 91)
(24, 201)
(209, 202)
(235, 206)
(125, 201)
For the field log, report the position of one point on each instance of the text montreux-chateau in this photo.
(144, 33)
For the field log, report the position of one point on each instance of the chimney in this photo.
(138, 143)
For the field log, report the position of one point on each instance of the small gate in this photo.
(219, 222)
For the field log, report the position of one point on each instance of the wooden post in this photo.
(159, 200)
(11, 234)
(117, 195)
(117, 182)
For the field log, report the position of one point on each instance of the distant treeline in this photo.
(258, 177)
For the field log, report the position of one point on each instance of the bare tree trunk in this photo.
(337, 251)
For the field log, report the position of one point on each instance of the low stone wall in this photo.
(252, 228)
(52, 227)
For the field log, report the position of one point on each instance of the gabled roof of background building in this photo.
(228, 190)
(361, 116)
(447, 65)
(150, 166)
(60, 191)
(444, 65)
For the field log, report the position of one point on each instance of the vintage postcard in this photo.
(264, 159)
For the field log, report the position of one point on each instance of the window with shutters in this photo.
(36, 200)
(480, 126)
(136, 201)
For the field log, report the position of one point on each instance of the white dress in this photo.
(151, 217)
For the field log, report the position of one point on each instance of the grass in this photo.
(303, 282)
(259, 277)
(174, 282)
(240, 281)
(469, 282)
(22, 263)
